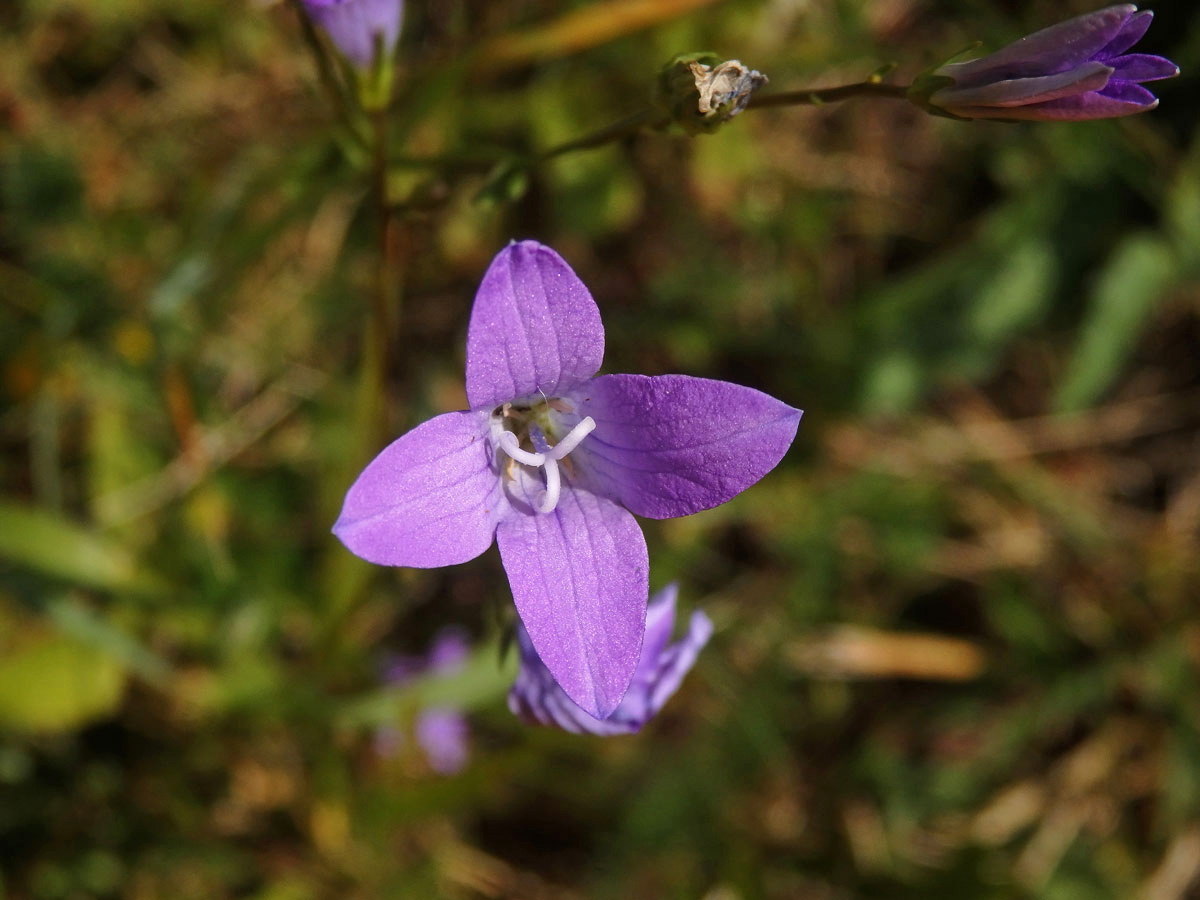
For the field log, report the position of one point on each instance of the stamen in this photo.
(545, 457)
(507, 441)
(572, 438)
(549, 500)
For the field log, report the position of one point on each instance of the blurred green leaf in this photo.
(506, 183)
(1016, 295)
(57, 683)
(56, 546)
(480, 682)
(955, 315)
(1182, 211)
(77, 621)
(1126, 291)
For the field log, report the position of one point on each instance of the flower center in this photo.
(533, 424)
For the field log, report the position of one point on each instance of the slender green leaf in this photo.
(1126, 292)
(54, 545)
(77, 621)
(481, 681)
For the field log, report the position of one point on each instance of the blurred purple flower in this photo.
(448, 652)
(537, 698)
(355, 25)
(441, 732)
(1076, 69)
(576, 559)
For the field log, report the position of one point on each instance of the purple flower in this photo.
(537, 698)
(448, 653)
(441, 732)
(551, 461)
(1076, 69)
(355, 25)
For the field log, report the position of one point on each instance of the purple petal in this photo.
(673, 445)
(352, 25)
(1131, 32)
(1142, 67)
(536, 697)
(1047, 52)
(1119, 99)
(1090, 76)
(431, 498)
(443, 735)
(660, 621)
(674, 663)
(534, 329)
(660, 673)
(579, 579)
(1124, 92)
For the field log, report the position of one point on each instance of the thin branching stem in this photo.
(646, 118)
(820, 96)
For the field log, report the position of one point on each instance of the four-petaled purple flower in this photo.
(441, 731)
(1076, 69)
(538, 699)
(551, 461)
(356, 26)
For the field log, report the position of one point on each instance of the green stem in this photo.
(334, 90)
(646, 118)
(649, 117)
(383, 297)
(821, 96)
(346, 578)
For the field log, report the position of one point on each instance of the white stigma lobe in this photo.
(546, 458)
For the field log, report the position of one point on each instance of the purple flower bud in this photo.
(1076, 69)
(354, 26)
(538, 699)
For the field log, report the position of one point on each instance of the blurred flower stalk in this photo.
(365, 34)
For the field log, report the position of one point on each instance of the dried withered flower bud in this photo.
(700, 91)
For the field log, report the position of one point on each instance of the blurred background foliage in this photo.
(958, 641)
